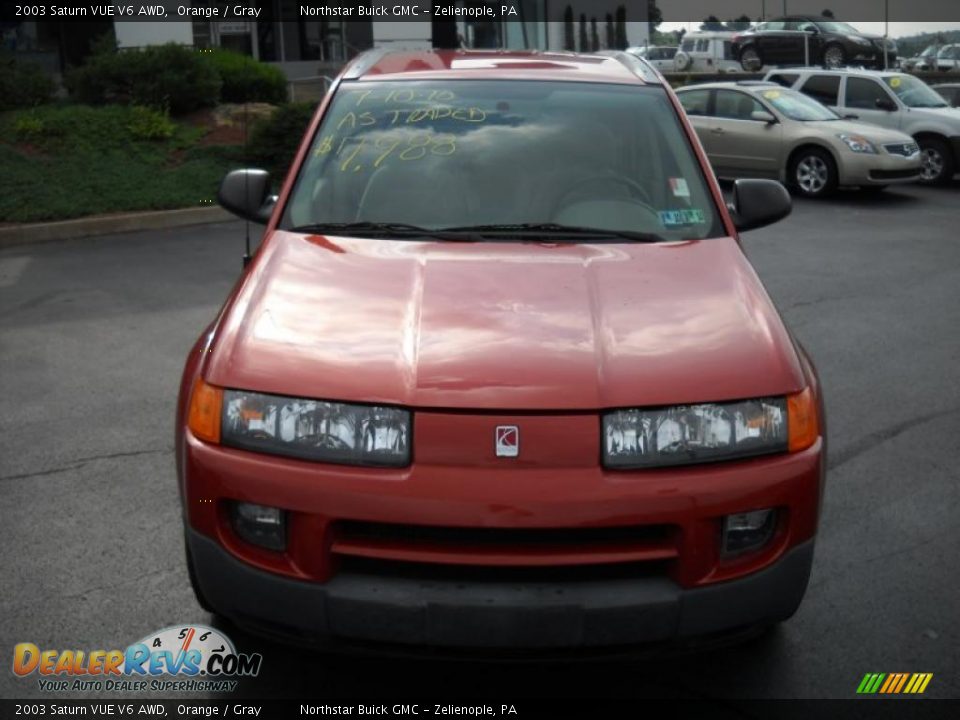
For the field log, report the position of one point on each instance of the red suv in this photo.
(499, 374)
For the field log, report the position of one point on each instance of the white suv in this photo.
(891, 99)
(709, 51)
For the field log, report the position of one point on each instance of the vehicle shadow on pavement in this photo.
(297, 672)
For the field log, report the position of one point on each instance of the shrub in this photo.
(57, 129)
(163, 77)
(148, 124)
(247, 80)
(274, 142)
(22, 84)
(29, 127)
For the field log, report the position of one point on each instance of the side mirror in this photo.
(245, 193)
(886, 104)
(757, 203)
(763, 116)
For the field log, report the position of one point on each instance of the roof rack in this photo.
(641, 67)
(363, 62)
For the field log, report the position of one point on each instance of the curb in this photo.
(108, 224)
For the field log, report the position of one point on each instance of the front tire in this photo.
(750, 59)
(813, 173)
(938, 166)
(834, 56)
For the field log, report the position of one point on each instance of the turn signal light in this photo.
(803, 426)
(205, 403)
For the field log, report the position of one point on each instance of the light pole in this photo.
(886, 34)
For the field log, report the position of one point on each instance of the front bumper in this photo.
(494, 615)
(881, 169)
(873, 57)
(486, 554)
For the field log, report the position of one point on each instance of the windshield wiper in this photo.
(381, 229)
(554, 230)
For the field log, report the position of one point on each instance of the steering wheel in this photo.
(637, 190)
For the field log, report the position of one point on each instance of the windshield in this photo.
(914, 92)
(837, 27)
(798, 106)
(477, 153)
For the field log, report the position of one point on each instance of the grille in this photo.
(894, 174)
(479, 574)
(503, 548)
(905, 149)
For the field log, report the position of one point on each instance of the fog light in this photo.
(748, 530)
(260, 525)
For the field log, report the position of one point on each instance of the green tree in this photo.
(621, 28)
(654, 17)
(712, 22)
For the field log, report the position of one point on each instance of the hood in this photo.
(503, 325)
(947, 116)
(874, 133)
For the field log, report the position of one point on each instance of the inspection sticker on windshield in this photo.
(894, 82)
(771, 94)
(679, 187)
(686, 216)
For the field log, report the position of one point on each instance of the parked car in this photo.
(707, 51)
(947, 60)
(891, 99)
(798, 40)
(924, 61)
(757, 129)
(661, 57)
(500, 374)
(949, 92)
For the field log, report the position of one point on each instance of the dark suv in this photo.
(806, 41)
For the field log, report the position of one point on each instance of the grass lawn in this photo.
(68, 161)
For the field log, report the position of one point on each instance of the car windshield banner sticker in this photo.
(685, 216)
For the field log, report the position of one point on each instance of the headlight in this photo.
(858, 144)
(688, 434)
(316, 430)
(861, 40)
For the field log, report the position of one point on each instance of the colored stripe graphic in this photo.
(894, 683)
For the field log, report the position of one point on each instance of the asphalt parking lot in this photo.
(93, 334)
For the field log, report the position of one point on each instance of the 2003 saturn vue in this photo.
(500, 375)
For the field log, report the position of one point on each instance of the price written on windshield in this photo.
(355, 154)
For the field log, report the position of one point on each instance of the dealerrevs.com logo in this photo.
(177, 658)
